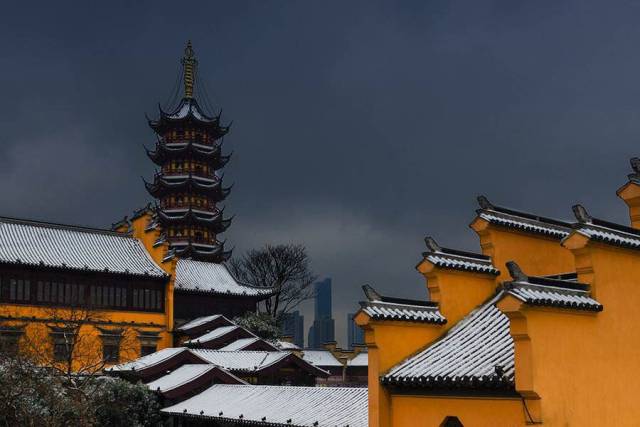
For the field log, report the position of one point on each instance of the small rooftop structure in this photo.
(278, 405)
(380, 307)
(457, 260)
(522, 221)
(209, 277)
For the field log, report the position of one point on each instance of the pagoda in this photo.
(188, 184)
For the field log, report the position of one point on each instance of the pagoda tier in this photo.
(211, 221)
(167, 151)
(188, 185)
(188, 113)
(202, 252)
(165, 185)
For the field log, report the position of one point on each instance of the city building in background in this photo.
(355, 335)
(293, 326)
(323, 328)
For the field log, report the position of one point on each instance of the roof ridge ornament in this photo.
(371, 294)
(581, 214)
(432, 245)
(189, 64)
(635, 165)
(484, 202)
(516, 272)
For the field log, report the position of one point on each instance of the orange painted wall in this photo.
(535, 254)
(430, 411)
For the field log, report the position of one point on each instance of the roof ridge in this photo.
(485, 205)
(70, 227)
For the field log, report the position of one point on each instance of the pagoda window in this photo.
(148, 342)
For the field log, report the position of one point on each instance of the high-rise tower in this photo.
(188, 185)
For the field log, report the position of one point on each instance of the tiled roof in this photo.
(278, 405)
(322, 358)
(195, 323)
(381, 310)
(476, 353)
(361, 359)
(149, 360)
(78, 248)
(521, 220)
(247, 361)
(605, 231)
(243, 343)
(286, 345)
(549, 291)
(183, 375)
(215, 334)
(457, 260)
(211, 277)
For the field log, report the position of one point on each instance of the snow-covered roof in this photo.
(279, 405)
(248, 361)
(183, 375)
(553, 296)
(476, 353)
(522, 220)
(243, 343)
(361, 359)
(148, 360)
(189, 106)
(195, 323)
(211, 277)
(605, 231)
(286, 345)
(457, 260)
(383, 310)
(215, 334)
(70, 247)
(322, 358)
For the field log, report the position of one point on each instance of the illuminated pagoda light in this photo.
(188, 185)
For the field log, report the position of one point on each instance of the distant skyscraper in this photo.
(293, 325)
(323, 328)
(355, 334)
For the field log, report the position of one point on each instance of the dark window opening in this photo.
(451, 421)
(147, 349)
(111, 353)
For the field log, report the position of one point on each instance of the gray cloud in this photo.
(358, 127)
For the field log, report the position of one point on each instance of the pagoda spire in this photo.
(189, 63)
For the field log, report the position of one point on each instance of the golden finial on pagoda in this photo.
(189, 63)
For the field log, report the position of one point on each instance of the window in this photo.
(63, 340)
(10, 338)
(19, 290)
(147, 349)
(111, 353)
(111, 344)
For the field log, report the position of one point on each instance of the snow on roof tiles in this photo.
(286, 345)
(216, 333)
(61, 246)
(608, 235)
(211, 277)
(248, 361)
(183, 375)
(477, 352)
(240, 344)
(553, 296)
(384, 310)
(459, 262)
(148, 360)
(200, 321)
(320, 358)
(524, 223)
(361, 359)
(279, 405)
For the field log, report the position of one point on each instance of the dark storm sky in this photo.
(359, 127)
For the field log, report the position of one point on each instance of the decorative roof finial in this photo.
(516, 272)
(581, 214)
(431, 243)
(189, 63)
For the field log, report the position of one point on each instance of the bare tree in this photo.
(284, 268)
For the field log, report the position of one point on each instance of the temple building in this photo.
(540, 327)
(89, 297)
